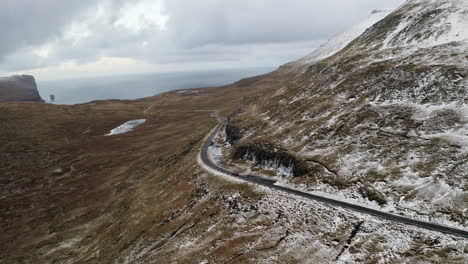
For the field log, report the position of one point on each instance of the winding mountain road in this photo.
(205, 159)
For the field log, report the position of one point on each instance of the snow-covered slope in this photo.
(341, 40)
(338, 42)
(427, 23)
(420, 25)
(384, 119)
(126, 127)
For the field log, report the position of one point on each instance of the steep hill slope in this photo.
(70, 194)
(19, 88)
(383, 122)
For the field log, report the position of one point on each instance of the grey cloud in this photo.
(30, 22)
(22, 59)
(197, 31)
(263, 21)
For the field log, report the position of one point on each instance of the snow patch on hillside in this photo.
(126, 127)
(341, 40)
(215, 153)
(457, 135)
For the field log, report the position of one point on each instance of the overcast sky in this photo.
(57, 39)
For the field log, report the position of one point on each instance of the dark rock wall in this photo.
(268, 157)
(233, 133)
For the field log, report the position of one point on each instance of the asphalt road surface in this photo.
(271, 184)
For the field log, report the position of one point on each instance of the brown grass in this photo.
(63, 183)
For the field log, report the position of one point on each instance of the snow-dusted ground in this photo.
(426, 180)
(187, 91)
(419, 182)
(215, 153)
(126, 127)
(458, 135)
(338, 42)
(312, 232)
(438, 192)
(309, 228)
(449, 29)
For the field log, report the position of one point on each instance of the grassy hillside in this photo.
(71, 195)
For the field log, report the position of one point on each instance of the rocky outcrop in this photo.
(233, 133)
(267, 156)
(19, 88)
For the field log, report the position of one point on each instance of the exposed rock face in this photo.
(233, 133)
(19, 88)
(267, 156)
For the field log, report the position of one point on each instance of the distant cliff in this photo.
(19, 88)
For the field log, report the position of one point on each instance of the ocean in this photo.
(76, 91)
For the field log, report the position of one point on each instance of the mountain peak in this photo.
(420, 24)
